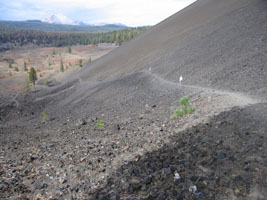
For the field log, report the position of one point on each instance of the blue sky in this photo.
(128, 12)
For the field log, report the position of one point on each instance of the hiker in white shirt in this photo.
(181, 80)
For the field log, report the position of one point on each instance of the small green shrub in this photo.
(80, 63)
(10, 65)
(186, 108)
(100, 124)
(16, 69)
(45, 116)
(46, 82)
(27, 87)
(184, 101)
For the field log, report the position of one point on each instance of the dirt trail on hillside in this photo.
(230, 99)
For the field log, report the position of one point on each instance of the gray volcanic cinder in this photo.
(219, 151)
(211, 43)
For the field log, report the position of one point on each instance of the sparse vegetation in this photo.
(89, 60)
(61, 66)
(16, 69)
(100, 124)
(32, 76)
(80, 63)
(25, 66)
(40, 62)
(46, 82)
(186, 108)
(10, 65)
(45, 116)
(54, 52)
(27, 87)
(69, 50)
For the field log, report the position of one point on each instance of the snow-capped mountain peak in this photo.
(59, 19)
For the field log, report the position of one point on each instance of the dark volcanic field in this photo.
(218, 152)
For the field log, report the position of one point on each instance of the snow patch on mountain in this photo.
(60, 19)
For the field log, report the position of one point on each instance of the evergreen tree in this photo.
(25, 66)
(32, 76)
(69, 49)
(67, 39)
(9, 65)
(61, 66)
(80, 63)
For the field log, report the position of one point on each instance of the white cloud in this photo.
(148, 12)
(63, 4)
(129, 12)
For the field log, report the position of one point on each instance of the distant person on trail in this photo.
(181, 80)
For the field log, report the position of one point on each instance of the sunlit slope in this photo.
(214, 43)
